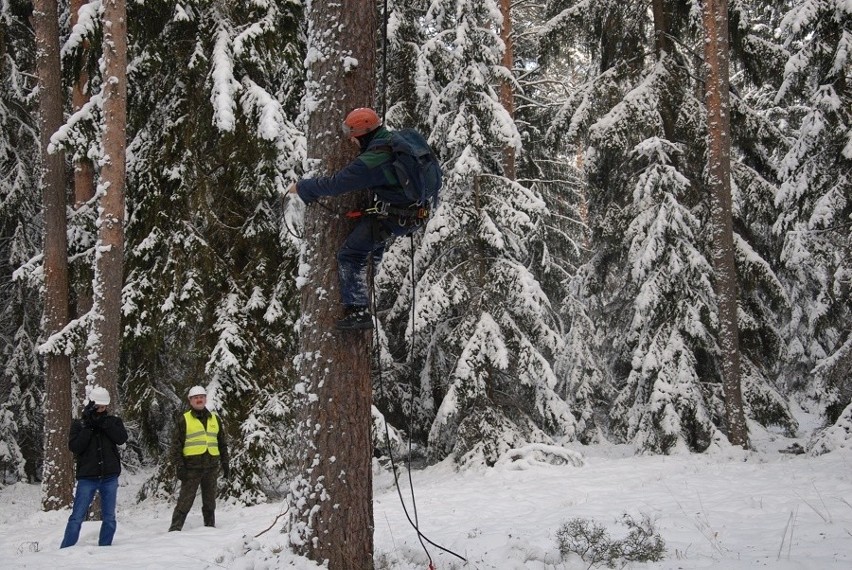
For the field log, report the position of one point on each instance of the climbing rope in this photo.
(415, 524)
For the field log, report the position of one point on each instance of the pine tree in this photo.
(583, 379)
(105, 334)
(331, 495)
(480, 356)
(548, 165)
(717, 103)
(229, 133)
(760, 140)
(20, 241)
(648, 281)
(58, 482)
(81, 12)
(814, 199)
(637, 111)
(208, 294)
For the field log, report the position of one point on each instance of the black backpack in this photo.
(414, 165)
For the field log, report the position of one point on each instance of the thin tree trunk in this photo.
(109, 257)
(507, 94)
(84, 191)
(716, 55)
(664, 48)
(58, 475)
(331, 500)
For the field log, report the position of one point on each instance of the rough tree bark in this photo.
(105, 341)
(507, 94)
(58, 474)
(331, 500)
(717, 57)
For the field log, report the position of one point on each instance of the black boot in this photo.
(355, 318)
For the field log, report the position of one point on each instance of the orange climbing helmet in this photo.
(361, 121)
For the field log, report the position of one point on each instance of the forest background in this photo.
(564, 290)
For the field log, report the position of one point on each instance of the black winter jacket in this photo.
(94, 443)
(364, 172)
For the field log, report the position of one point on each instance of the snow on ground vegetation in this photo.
(723, 510)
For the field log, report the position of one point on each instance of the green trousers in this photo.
(206, 479)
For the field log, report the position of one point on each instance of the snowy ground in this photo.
(727, 510)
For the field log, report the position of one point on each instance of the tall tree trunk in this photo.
(58, 475)
(331, 500)
(716, 55)
(507, 94)
(84, 191)
(109, 256)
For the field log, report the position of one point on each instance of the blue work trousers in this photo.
(368, 238)
(83, 497)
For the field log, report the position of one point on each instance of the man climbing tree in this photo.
(331, 498)
(404, 176)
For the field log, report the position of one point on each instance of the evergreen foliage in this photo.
(649, 286)
(549, 167)
(208, 295)
(760, 139)
(485, 335)
(639, 112)
(574, 302)
(214, 279)
(21, 382)
(836, 437)
(815, 218)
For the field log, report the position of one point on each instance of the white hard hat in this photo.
(196, 391)
(99, 396)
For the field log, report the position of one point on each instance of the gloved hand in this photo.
(89, 410)
(226, 472)
(88, 416)
(181, 473)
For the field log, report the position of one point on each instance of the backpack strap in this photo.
(379, 154)
(374, 157)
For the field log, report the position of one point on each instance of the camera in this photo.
(89, 410)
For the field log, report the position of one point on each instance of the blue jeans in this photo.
(83, 497)
(368, 238)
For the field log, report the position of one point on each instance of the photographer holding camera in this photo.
(94, 440)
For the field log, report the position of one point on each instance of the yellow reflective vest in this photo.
(198, 440)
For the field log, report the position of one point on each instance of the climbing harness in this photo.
(415, 215)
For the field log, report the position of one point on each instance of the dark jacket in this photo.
(205, 460)
(94, 443)
(366, 171)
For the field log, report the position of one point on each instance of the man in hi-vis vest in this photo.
(199, 449)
